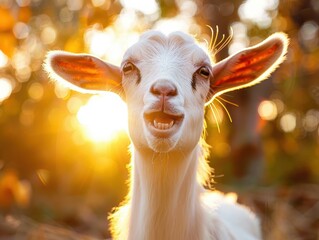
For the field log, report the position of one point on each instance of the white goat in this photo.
(167, 81)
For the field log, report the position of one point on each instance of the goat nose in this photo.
(164, 88)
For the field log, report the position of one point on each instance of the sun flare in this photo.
(103, 117)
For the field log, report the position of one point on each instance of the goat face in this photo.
(166, 81)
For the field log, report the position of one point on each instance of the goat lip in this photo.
(161, 124)
(151, 115)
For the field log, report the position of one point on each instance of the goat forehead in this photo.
(177, 49)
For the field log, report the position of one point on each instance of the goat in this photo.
(166, 82)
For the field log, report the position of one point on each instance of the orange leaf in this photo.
(24, 14)
(7, 20)
(7, 43)
(8, 182)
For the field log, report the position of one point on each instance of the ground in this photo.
(285, 212)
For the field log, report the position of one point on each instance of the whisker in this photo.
(207, 44)
(215, 46)
(216, 36)
(213, 40)
(227, 101)
(215, 117)
(222, 46)
(218, 114)
(223, 43)
(210, 45)
(230, 119)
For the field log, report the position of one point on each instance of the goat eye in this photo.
(128, 67)
(204, 72)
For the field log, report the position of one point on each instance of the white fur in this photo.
(167, 199)
(166, 189)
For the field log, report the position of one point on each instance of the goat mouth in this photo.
(162, 124)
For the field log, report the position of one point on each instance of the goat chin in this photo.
(166, 82)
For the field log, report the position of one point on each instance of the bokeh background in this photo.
(63, 155)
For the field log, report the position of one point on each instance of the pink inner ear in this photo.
(87, 72)
(248, 66)
(81, 73)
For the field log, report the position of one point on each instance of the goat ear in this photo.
(83, 72)
(248, 67)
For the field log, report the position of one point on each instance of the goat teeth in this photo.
(163, 126)
(155, 124)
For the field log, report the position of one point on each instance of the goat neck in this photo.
(165, 196)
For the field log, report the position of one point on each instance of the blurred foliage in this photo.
(51, 171)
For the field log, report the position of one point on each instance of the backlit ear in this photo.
(248, 67)
(83, 72)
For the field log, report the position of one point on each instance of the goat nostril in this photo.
(172, 93)
(163, 88)
(155, 91)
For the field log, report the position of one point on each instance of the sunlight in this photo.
(5, 89)
(3, 60)
(267, 110)
(103, 116)
(98, 3)
(231, 197)
(258, 11)
(109, 43)
(288, 122)
(146, 7)
(169, 25)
